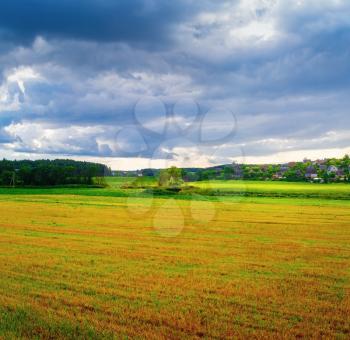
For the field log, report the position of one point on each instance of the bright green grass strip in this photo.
(267, 186)
(231, 190)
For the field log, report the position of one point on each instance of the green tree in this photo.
(170, 178)
(228, 172)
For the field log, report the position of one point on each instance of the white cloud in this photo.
(44, 139)
(13, 89)
(21, 75)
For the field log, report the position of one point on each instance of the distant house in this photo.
(321, 161)
(311, 176)
(332, 169)
(341, 175)
(311, 172)
(237, 170)
(340, 172)
(277, 176)
(284, 168)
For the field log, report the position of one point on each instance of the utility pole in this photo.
(13, 179)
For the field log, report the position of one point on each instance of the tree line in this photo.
(50, 172)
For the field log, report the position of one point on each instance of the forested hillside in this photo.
(49, 172)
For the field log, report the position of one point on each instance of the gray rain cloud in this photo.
(75, 75)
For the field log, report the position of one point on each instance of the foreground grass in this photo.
(77, 266)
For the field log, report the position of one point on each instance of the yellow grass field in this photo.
(107, 267)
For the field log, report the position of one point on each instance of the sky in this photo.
(153, 83)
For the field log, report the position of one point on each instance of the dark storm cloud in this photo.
(139, 21)
(79, 64)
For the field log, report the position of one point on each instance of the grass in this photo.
(275, 186)
(277, 189)
(131, 186)
(90, 264)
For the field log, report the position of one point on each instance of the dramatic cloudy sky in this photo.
(138, 83)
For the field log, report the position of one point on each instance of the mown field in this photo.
(111, 263)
